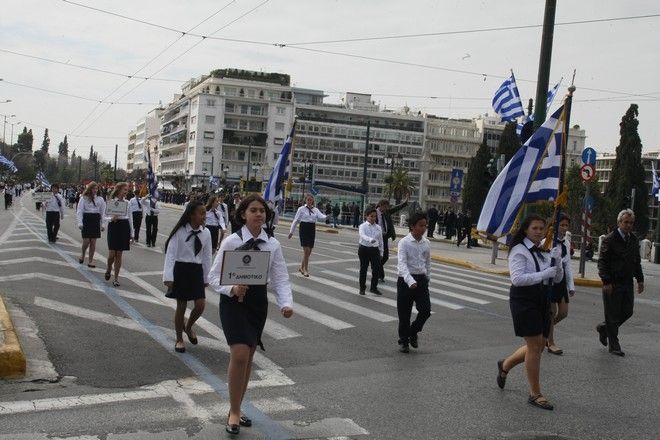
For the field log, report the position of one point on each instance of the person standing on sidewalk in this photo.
(433, 219)
(370, 251)
(414, 267)
(618, 263)
(54, 208)
(186, 269)
(135, 209)
(560, 292)
(464, 228)
(531, 270)
(89, 215)
(307, 215)
(384, 219)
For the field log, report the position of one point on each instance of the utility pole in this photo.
(500, 166)
(544, 63)
(115, 173)
(249, 164)
(365, 185)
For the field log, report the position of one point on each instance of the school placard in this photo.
(116, 207)
(244, 267)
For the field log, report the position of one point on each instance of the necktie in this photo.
(383, 224)
(152, 204)
(215, 213)
(251, 244)
(198, 242)
(563, 250)
(57, 199)
(538, 253)
(311, 210)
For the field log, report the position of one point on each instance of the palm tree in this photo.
(398, 185)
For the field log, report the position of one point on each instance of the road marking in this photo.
(321, 428)
(439, 302)
(323, 262)
(144, 274)
(314, 253)
(25, 240)
(497, 279)
(33, 260)
(357, 309)
(318, 317)
(473, 290)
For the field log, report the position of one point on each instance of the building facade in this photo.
(131, 151)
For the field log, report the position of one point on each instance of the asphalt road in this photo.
(102, 364)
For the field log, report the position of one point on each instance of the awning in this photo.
(164, 184)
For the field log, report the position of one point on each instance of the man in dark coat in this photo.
(450, 223)
(384, 219)
(618, 262)
(464, 227)
(433, 219)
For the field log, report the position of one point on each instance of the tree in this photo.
(45, 143)
(477, 181)
(628, 173)
(91, 153)
(63, 149)
(398, 185)
(24, 142)
(509, 141)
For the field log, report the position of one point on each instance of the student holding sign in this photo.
(244, 305)
(120, 229)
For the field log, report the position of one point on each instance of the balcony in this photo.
(233, 138)
(172, 158)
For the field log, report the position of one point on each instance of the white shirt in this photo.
(215, 218)
(566, 262)
(278, 276)
(178, 249)
(51, 204)
(308, 215)
(222, 207)
(371, 236)
(147, 209)
(414, 258)
(134, 205)
(85, 206)
(129, 217)
(522, 268)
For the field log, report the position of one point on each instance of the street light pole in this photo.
(365, 185)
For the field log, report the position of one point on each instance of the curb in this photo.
(12, 358)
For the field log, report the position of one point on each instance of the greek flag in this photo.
(152, 181)
(274, 187)
(41, 178)
(214, 181)
(531, 175)
(8, 163)
(549, 99)
(506, 101)
(655, 189)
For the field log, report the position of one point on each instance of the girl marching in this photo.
(531, 271)
(243, 309)
(307, 215)
(186, 270)
(215, 221)
(89, 214)
(120, 233)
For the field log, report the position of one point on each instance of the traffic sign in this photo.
(587, 172)
(456, 181)
(589, 156)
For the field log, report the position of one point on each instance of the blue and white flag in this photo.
(8, 163)
(655, 188)
(152, 180)
(41, 178)
(273, 189)
(506, 101)
(531, 175)
(550, 97)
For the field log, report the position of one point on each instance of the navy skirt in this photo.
(559, 292)
(119, 235)
(530, 310)
(91, 225)
(188, 282)
(243, 322)
(307, 234)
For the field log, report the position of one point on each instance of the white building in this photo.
(146, 127)
(131, 151)
(231, 123)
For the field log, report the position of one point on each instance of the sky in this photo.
(452, 75)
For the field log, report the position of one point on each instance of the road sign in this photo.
(587, 172)
(456, 181)
(589, 203)
(589, 156)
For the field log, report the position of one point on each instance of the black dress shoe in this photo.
(233, 429)
(618, 352)
(245, 421)
(615, 349)
(403, 348)
(413, 341)
(501, 374)
(375, 291)
(602, 334)
(361, 291)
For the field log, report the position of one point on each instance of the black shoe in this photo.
(233, 429)
(413, 341)
(381, 280)
(245, 421)
(602, 334)
(375, 291)
(361, 291)
(501, 374)
(615, 349)
(403, 347)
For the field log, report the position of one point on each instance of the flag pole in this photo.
(562, 169)
(289, 183)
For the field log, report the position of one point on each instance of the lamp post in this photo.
(4, 129)
(11, 137)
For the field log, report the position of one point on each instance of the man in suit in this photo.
(618, 263)
(450, 223)
(464, 227)
(384, 219)
(433, 219)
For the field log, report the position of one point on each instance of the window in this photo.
(208, 150)
(210, 102)
(278, 141)
(209, 135)
(206, 167)
(281, 110)
(193, 120)
(191, 150)
(241, 155)
(192, 135)
(209, 119)
(194, 104)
